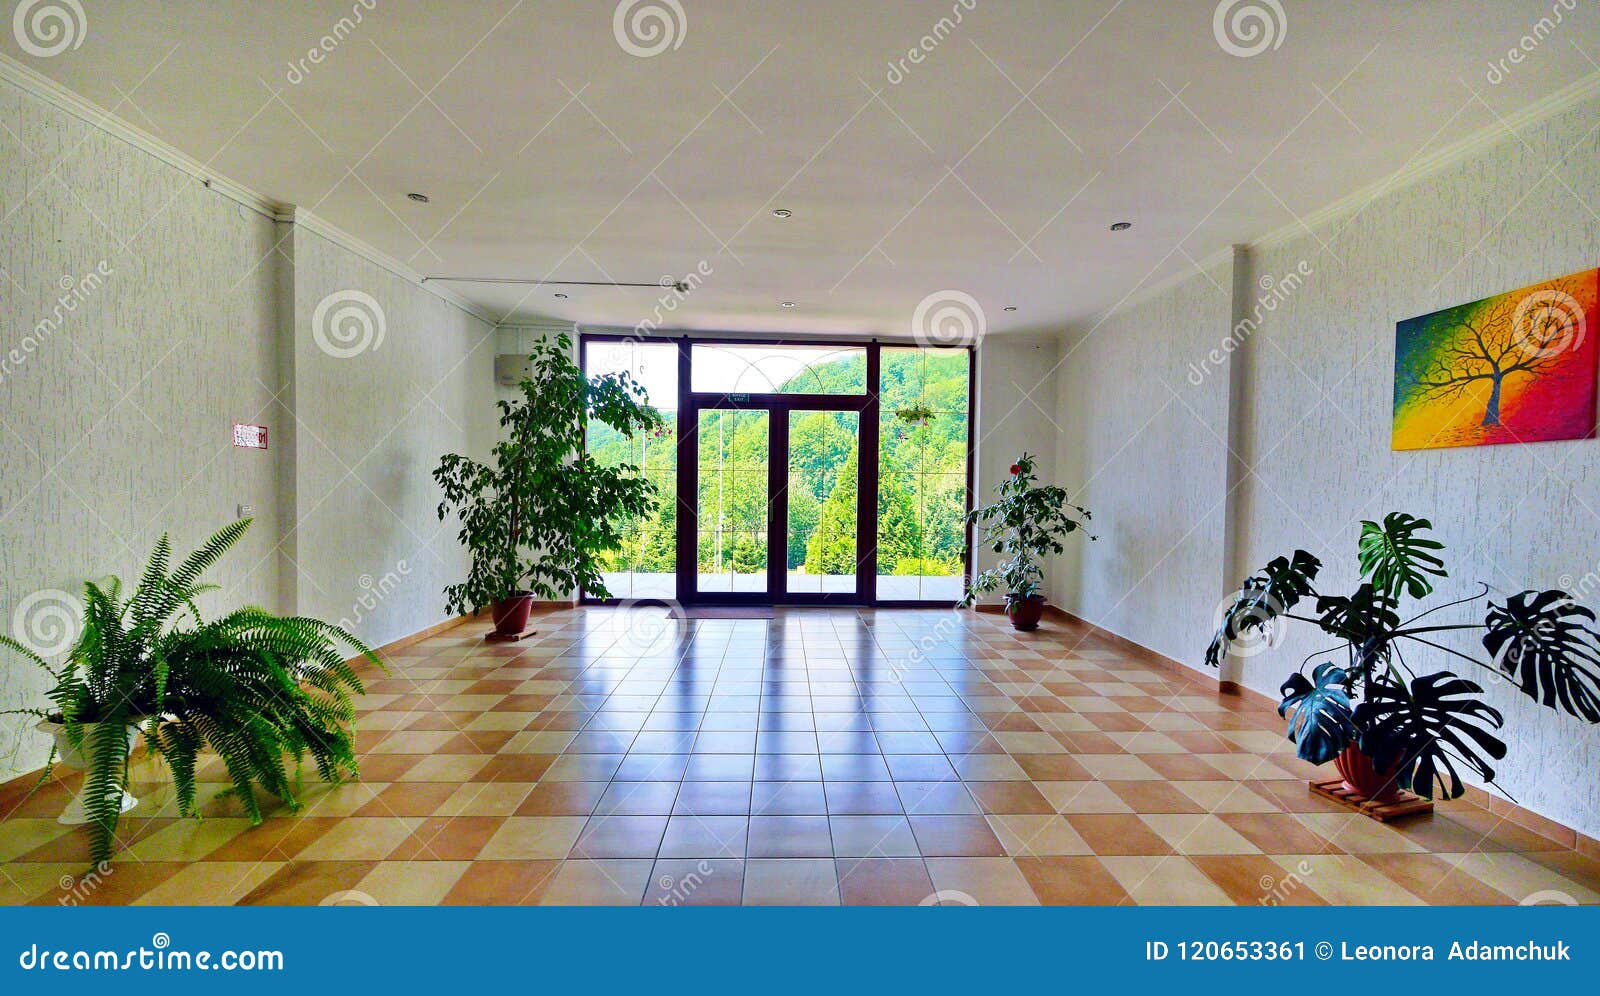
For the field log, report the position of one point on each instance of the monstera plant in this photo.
(1386, 727)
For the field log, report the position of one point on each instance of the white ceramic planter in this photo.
(76, 813)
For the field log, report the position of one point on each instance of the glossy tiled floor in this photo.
(818, 758)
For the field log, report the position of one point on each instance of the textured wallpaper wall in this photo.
(1320, 398)
(144, 315)
(139, 325)
(1144, 421)
(375, 414)
(1310, 392)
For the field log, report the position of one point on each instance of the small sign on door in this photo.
(251, 437)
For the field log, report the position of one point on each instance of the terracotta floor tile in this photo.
(1037, 835)
(1071, 881)
(411, 883)
(1278, 833)
(1154, 797)
(448, 838)
(620, 837)
(705, 837)
(1440, 881)
(564, 799)
(696, 882)
(1257, 880)
(502, 883)
(789, 837)
(615, 882)
(409, 799)
(788, 799)
(884, 882)
(1171, 880)
(1053, 767)
(529, 837)
(1117, 833)
(1009, 797)
(980, 882)
(210, 883)
(956, 837)
(790, 882)
(636, 798)
(865, 798)
(308, 883)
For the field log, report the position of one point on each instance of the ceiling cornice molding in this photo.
(338, 236)
(1505, 128)
(1413, 172)
(32, 82)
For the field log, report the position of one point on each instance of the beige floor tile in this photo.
(187, 840)
(446, 768)
(210, 883)
(334, 800)
(525, 837)
(364, 839)
(18, 836)
(1038, 835)
(1165, 881)
(412, 883)
(1117, 767)
(1345, 880)
(1520, 878)
(1198, 834)
(612, 882)
(1225, 797)
(989, 881)
(1083, 797)
(24, 881)
(988, 768)
(1358, 834)
(485, 799)
(790, 882)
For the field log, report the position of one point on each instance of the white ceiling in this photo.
(993, 167)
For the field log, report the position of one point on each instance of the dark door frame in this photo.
(779, 406)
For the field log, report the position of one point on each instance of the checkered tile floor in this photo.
(821, 757)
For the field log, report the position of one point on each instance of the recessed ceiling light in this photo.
(785, 304)
(1122, 226)
(1011, 307)
(419, 198)
(561, 295)
(782, 213)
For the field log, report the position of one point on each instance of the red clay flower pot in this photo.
(1024, 613)
(510, 615)
(1363, 778)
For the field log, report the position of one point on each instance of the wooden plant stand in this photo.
(510, 637)
(1403, 805)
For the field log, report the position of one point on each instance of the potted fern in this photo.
(263, 691)
(1027, 524)
(1386, 727)
(539, 516)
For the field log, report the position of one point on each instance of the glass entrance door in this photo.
(822, 494)
(732, 502)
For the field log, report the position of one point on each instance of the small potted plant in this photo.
(1385, 727)
(257, 688)
(539, 517)
(1026, 524)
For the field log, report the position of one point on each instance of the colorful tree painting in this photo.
(1514, 368)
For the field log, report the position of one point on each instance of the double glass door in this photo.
(776, 500)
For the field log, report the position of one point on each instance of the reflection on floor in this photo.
(901, 588)
(824, 756)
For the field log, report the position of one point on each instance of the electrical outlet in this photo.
(246, 512)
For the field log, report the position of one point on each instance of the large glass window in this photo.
(922, 472)
(721, 368)
(734, 454)
(643, 566)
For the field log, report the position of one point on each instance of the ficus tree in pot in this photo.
(539, 514)
(262, 691)
(1026, 524)
(1386, 727)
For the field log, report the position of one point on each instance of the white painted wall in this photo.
(1311, 401)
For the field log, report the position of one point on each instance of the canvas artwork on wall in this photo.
(1518, 367)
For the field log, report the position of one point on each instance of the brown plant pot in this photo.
(1024, 613)
(510, 614)
(1362, 777)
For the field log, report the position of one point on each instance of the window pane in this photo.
(824, 475)
(732, 496)
(746, 369)
(922, 498)
(643, 565)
